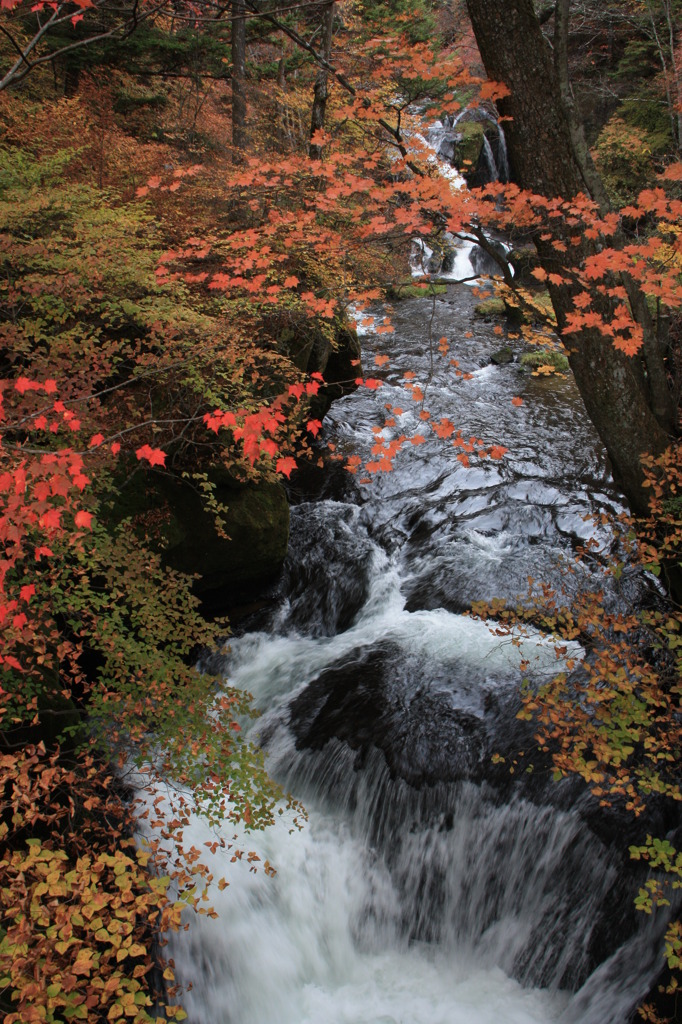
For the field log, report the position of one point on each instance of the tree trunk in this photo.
(322, 82)
(238, 79)
(588, 171)
(614, 387)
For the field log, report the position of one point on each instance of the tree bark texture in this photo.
(238, 79)
(614, 387)
(321, 91)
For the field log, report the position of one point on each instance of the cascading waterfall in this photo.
(504, 171)
(429, 886)
(442, 136)
(489, 158)
(452, 258)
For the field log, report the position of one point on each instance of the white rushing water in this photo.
(380, 911)
(423, 889)
(319, 944)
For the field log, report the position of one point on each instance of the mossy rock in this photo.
(490, 308)
(543, 301)
(256, 522)
(544, 357)
(495, 308)
(337, 358)
(503, 356)
(408, 290)
(468, 147)
(297, 347)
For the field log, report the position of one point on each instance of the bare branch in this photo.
(23, 66)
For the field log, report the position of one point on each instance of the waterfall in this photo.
(504, 173)
(489, 158)
(442, 877)
(452, 259)
(401, 902)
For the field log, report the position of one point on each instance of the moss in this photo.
(544, 357)
(490, 308)
(408, 290)
(469, 145)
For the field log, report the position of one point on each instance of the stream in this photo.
(429, 886)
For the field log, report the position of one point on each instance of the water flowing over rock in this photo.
(430, 885)
(473, 141)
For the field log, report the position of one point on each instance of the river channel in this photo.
(428, 886)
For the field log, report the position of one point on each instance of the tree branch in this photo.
(16, 74)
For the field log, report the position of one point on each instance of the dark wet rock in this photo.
(256, 524)
(484, 262)
(424, 738)
(247, 553)
(326, 578)
(336, 357)
(524, 260)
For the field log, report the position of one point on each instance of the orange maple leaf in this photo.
(286, 466)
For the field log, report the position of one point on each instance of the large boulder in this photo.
(336, 356)
(250, 547)
(230, 560)
(365, 702)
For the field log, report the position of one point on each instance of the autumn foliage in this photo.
(162, 310)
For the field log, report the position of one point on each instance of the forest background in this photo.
(193, 197)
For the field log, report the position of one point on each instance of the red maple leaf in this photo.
(154, 456)
(497, 451)
(285, 466)
(83, 519)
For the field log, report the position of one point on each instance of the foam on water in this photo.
(322, 943)
(274, 669)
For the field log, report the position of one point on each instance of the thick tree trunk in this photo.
(238, 79)
(615, 388)
(322, 82)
